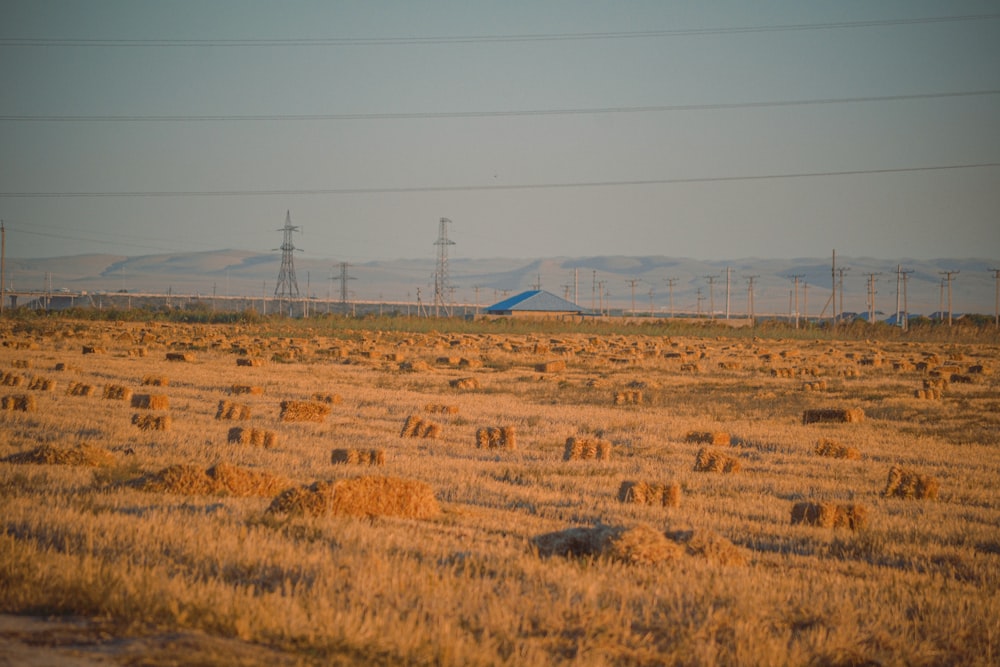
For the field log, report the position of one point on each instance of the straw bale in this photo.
(117, 392)
(554, 366)
(156, 381)
(496, 437)
(645, 493)
(180, 356)
(508, 436)
(717, 438)
(26, 363)
(252, 390)
(830, 515)
(906, 483)
(711, 460)
(138, 352)
(470, 362)
(586, 448)
(979, 369)
(440, 408)
(935, 383)
(230, 410)
(148, 422)
(20, 402)
(707, 544)
(150, 402)
(782, 372)
(930, 394)
(833, 415)
(249, 362)
(313, 500)
(833, 449)
(384, 496)
(640, 544)
(417, 427)
(253, 436)
(447, 361)
(730, 365)
(181, 479)
(84, 455)
(303, 411)
(818, 385)
(11, 380)
(464, 383)
(958, 378)
(42, 384)
(92, 349)
(80, 389)
(245, 483)
(369, 457)
(628, 397)
(330, 399)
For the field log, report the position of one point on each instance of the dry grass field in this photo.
(689, 501)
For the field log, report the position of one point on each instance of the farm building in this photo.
(536, 303)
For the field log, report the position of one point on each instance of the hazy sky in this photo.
(711, 130)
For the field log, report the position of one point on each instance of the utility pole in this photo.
(840, 286)
(948, 277)
(996, 296)
(700, 299)
(441, 275)
(651, 311)
(805, 302)
(906, 303)
(941, 302)
(344, 277)
(871, 296)
(3, 266)
(750, 314)
(833, 289)
(711, 296)
(795, 282)
(593, 291)
(600, 289)
(728, 272)
(632, 282)
(476, 288)
(670, 286)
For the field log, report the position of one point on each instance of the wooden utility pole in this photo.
(670, 286)
(795, 282)
(632, 282)
(996, 298)
(833, 289)
(711, 296)
(871, 296)
(840, 286)
(729, 270)
(947, 276)
(3, 266)
(750, 280)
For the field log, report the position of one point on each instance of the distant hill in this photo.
(485, 281)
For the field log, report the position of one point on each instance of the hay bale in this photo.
(707, 544)
(179, 479)
(464, 383)
(833, 415)
(906, 483)
(833, 449)
(640, 544)
(155, 381)
(313, 500)
(22, 363)
(252, 390)
(117, 392)
(417, 427)
(249, 362)
(830, 515)
(80, 389)
(439, 408)
(496, 437)
(329, 399)
(84, 455)
(150, 402)
(711, 460)
(19, 402)
(927, 394)
(147, 422)
(11, 380)
(368, 457)
(644, 493)
(180, 356)
(384, 496)
(554, 366)
(578, 449)
(628, 397)
(92, 349)
(252, 436)
(303, 411)
(229, 410)
(818, 385)
(245, 483)
(717, 438)
(42, 384)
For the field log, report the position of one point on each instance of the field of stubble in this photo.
(457, 499)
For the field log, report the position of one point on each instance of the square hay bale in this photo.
(147, 422)
(717, 438)
(817, 385)
(155, 381)
(11, 380)
(639, 545)
(464, 383)
(180, 356)
(366, 457)
(42, 384)
(92, 349)
(22, 363)
(833, 449)
(906, 483)
(19, 402)
(440, 408)
(303, 411)
(417, 427)
(628, 397)
(138, 352)
(496, 437)
(579, 449)
(150, 402)
(229, 410)
(117, 392)
(712, 460)
(927, 394)
(84, 455)
(252, 390)
(80, 389)
(253, 436)
(830, 515)
(554, 366)
(645, 493)
(384, 496)
(329, 399)
(833, 415)
(250, 362)
(690, 368)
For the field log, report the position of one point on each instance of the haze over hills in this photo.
(486, 281)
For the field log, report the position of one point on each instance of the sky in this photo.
(710, 130)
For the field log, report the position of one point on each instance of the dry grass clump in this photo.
(906, 483)
(11, 380)
(180, 356)
(156, 381)
(578, 449)
(147, 422)
(496, 437)
(707, 544)
(84, 455)
(219, 479)
(229, 410)
(329, 399)
(42, 384)
(640, 544)
(464, 383)
(368, 457)
(313, 500)
(303, 411)
(717, 438)
(833, 415)
(833, 449)
(417, 427)
(252, 390)
(384, 496)
(644, 493)
(80, 389)
(712, 460)
(554, 366)
(249, 362)
(19, 402)
(830, 515)
(117, 392)
(440, 408)
(151, 402)
(257, 437)
(628, 397)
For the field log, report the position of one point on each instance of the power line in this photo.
(203, 118)
(467, 39)
(495, 187)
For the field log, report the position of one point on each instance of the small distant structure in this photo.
(536, 303)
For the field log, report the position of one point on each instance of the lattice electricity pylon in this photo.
(441, 275)
(287, 287)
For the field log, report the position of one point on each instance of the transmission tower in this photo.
(287, 287)
(441, 274)
(948, 276)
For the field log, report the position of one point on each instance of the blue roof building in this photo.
(536, 303)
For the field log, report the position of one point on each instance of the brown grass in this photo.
(303, 411)
(369, 457)
(84, 455)
(830, 515)
(586, 448)
(329, 399)
(906, 483)
(833, 449)
(833, 415)
(712, 460)
(645, 493)
(253, 436)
